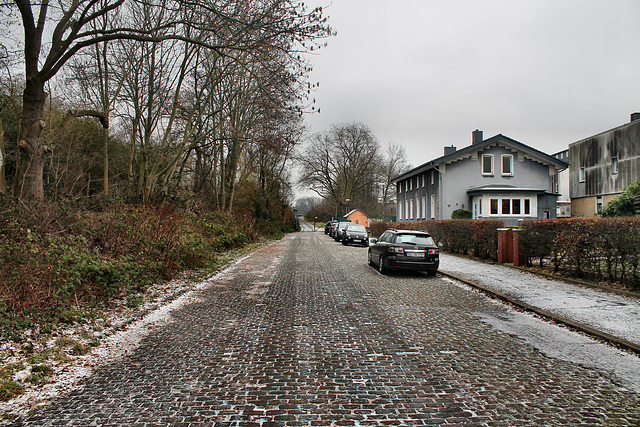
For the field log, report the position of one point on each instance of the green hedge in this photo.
(603, 249)
(464, 236)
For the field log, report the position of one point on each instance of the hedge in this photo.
(475, 237)
(602, 249)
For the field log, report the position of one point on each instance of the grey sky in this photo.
(426, 73)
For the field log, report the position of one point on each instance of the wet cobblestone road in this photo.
(303, 332)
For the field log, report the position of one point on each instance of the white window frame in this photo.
(489, 158)
(614, 165)
(510, 157)
(410, 208)
(433, 206)
(433, 177)
(523, 200)
(410, 184)
(424, 207)
(581, 174)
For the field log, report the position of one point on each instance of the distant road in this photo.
(308, 226)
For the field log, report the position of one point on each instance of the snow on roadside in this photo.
(126, 328)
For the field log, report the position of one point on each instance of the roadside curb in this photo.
(617, 341)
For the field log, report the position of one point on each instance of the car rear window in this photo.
(414, 239)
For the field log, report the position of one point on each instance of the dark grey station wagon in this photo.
(404, 249)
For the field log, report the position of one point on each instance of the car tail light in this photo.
(396, 250)
(434, 251)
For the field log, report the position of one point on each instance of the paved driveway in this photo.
(305, 333)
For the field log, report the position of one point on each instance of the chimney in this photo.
(477, 137)
(449, 150)
(635, 116)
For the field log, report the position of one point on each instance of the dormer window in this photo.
(507, 165)
(487, 164)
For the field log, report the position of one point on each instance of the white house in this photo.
(495, 178)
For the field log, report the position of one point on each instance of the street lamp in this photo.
(315, 218)
(346, 211)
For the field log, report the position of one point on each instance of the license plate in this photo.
(357, 240)
(415, 254)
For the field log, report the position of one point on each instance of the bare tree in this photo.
(239, 25)
(394, 163)
(341, 164)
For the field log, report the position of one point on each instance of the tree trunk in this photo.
(105, 161)
(29, 175)
(3, 182)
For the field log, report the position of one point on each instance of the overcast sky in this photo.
(426, 73)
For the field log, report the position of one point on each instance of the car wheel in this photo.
(432, 272)
(369, 258)
(381, 268)
(344, 242)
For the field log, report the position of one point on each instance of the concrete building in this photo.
(602, 166)
(495, 178)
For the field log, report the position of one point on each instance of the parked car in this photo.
(332, 230)
(340, 229)
(404, 249)
(355, 233)
(327, 226)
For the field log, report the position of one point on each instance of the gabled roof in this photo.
(354, 211)
(499, 139)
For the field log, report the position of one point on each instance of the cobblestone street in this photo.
(304, 332)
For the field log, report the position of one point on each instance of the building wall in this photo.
(587, 207)
(359, 218)
(592, 171)
(414, 193)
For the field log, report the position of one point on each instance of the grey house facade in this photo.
(495, 178)
(602, 166)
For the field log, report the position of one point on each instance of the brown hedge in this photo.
(464, 236)
(604, 249)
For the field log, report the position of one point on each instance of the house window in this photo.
(411, 184)
(411, 209)
(433, 206)
(515, 206)
(487, 164)
(480, 206)
(506, 207)
(399, 211)
(507, 164)
(424, 207)
(407, 212)
(581, 175)
(510, 207)
(399, 187)
(494, 206)
(614, 165)
(598, 204)
(433, 177)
